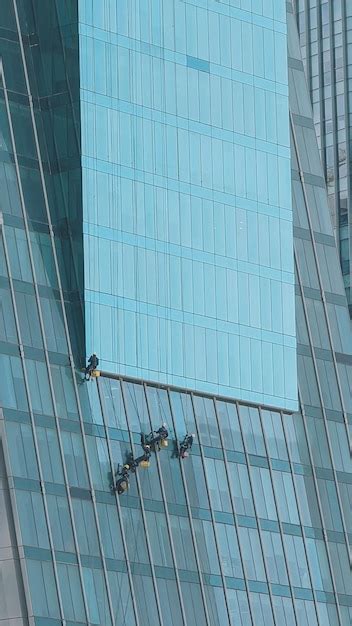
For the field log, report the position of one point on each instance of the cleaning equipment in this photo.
(156, 440)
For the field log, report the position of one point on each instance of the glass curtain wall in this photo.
(325, 30)
(251, 529)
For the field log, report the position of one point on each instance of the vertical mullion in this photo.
(234, 513)
(36, 285)
(41, 323)
(211, 512)
(23, 583)
(57, 426)
(63, 307)
(28, 394)
(347, 133)
(315, 254)
(301, 517)
(334, 123)
(46, 201)
(308, 46)
(118, 506)
(189, 509)
(321, 90)
(321, 513)
(167, 517)
(255, 508)
(278, 516)
(310, 448)
(140, 493)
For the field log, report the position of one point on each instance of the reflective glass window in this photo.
(195, 481)
(319, 565)
(296, 561)
(121, 599)
(251, 553)
(49, 453)
(110, 531)
(113, 403)
(64, 392)
(169, 602)
(241, 489)
(261, 609)
(75, 459)
(159, 538)
(60, 523)
(12, 391)
(135, 535)
(217, 485)
(306, 613)
(274, 558)
(21, 449)
(182, 413)
(86, 527)
(90, 403)
(206, 546)
(145, 597)
(159, 407)
(206, 420)
(283, 611)
(274, 434)
(229, 425)
(71, 592)
(96, 594)
(285, 497)
(216, 606)
(238, 608)
(43, 589)
(252, 430)
(183, 542)
(99, 462)
(228, 550)
(136, 407)
(193, 603)
(32, 519)
(263, 493)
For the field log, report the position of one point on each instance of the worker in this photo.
(93, 363)
(155, 441)
(186, 445)
(161, 437)
(123, 483)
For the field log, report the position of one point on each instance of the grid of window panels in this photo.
(232, 534)
(166, 553)
(187, 209)
(325, 30)
(323, 329)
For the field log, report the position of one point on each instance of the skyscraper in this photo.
(150, 195)
(326, 36)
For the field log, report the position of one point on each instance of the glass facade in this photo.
(326, 36)
(254, 527)
(247, 530)
(187, 211)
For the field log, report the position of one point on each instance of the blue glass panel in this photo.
(186, 192)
